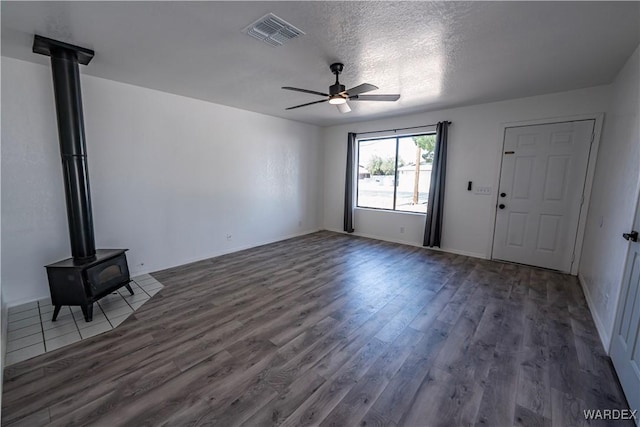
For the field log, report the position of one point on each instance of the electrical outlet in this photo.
(228, 236)
(300, 223)
(401, 230)
(484, 191)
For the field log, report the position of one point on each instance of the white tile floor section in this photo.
(31, 331)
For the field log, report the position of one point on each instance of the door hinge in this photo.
(582, 200)
(593, 136)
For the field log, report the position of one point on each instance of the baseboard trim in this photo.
(135, 272)
(404, 242)
(226, 252)
(605, 338)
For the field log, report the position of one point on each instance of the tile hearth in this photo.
(30, 331)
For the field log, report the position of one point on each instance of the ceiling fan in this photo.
(338, 96)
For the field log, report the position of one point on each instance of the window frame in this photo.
(395, 176)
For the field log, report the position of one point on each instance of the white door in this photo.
(541, 193)
(625, 344)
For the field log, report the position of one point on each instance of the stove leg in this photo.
(87, 310)
(56, 310)
(128, 286)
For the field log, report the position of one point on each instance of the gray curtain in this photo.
(349, 184)
(433, 227)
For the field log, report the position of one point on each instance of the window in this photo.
(395, 173)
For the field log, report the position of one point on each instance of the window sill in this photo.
(358, 208)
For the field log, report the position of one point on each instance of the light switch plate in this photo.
(485, 191)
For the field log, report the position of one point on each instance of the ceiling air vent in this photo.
(272, 30)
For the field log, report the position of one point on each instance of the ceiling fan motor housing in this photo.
(336, 89)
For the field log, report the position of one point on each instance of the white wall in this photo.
(170, 177)
(474, 154)
(613, 199)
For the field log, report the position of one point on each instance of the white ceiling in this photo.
(435, 54)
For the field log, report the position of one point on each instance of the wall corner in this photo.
(605, 336)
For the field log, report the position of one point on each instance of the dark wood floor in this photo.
(332, 330)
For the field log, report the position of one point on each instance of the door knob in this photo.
(632, 237)
(503, 194)
(501, 206)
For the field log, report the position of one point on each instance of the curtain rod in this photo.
(397, 129)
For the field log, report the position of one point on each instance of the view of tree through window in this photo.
(395, 173)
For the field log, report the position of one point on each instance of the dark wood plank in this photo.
(444, 400)
(497, 407)
(353, 407)
(313, 410)
(398, 395)
(527, 418)
(566, 409)
(535, 324)
(534, 387)
(278, 409)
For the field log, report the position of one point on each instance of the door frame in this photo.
(588, 182)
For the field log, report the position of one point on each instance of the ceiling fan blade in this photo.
(304, 105)
(305, 91)
(374, 98)
(364, 87)
(344, 108)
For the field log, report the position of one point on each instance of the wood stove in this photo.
(89, 275)
(82, 283)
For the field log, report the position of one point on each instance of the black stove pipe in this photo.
(68, 100)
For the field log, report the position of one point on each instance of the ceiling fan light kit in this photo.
(343, 108)
(338, 96)
(337, 100)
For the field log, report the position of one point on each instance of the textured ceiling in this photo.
(435, 54)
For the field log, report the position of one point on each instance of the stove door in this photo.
(107, 276)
